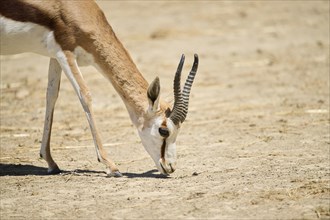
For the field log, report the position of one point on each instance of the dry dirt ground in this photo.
(255, 144)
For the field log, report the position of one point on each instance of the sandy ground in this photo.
(255, 144)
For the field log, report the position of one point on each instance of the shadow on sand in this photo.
(149, 174)
(25, 169)
(21, 170)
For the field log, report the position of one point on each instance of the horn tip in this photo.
(182, 57)
(196, 56)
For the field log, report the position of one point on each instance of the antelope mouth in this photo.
(163, 171)
(167, 170)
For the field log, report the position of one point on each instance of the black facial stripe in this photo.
(163, 149)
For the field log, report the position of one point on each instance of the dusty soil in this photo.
(255, 144)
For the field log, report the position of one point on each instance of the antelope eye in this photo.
(164, 132)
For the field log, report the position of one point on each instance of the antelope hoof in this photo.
(53, 171)
(115, 174)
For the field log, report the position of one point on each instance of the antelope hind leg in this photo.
(54, 79)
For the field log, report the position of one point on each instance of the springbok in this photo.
(76, 33)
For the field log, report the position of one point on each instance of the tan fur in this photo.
(82, 23)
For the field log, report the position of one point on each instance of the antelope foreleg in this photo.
(71, 69)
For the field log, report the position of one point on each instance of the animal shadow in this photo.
(21, 170)
(26, 169)
(148, 174)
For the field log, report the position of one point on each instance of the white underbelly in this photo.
(19, 37)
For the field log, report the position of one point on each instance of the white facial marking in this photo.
(153, 141)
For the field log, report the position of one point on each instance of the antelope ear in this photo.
(153, 95)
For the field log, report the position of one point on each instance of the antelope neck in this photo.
(117, 66)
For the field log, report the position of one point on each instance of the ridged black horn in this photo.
(176, 113)
(187, 86)
(181, 100)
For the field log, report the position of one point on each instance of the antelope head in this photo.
(161, 124)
